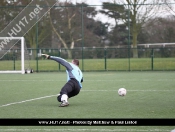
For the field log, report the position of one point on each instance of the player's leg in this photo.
(67, 88)
(75, 89)
(70, 89)
(59, 97)
(74, 92)
(63, 97)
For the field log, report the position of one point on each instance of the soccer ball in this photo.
(122, 91)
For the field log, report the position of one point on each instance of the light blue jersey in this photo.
(72, 70)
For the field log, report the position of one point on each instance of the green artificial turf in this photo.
(149, 95)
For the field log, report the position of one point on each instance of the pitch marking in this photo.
(84, 91)
(27, 100)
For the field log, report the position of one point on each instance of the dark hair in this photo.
(76, 62)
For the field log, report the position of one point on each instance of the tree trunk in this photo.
(134, 39)
(135, 51)
(69, 52)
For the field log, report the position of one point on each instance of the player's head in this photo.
(75, 61)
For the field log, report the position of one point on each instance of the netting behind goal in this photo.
(14, 56)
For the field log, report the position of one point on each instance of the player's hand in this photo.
(46, 55)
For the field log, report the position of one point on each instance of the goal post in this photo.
(14, 50)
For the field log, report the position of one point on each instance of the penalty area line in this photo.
(27, 100)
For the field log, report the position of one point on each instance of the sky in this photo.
(100, 17)
(92, 2)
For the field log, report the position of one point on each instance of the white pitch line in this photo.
(27, 100)
(86, 91)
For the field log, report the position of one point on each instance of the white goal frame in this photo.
(22, 71)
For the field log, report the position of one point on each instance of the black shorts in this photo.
(71, 88)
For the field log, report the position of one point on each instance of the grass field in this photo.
(149, 95)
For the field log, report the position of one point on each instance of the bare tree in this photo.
(64, 24)
(170, 4)
(139, 12)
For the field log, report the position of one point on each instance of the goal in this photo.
(14, 57)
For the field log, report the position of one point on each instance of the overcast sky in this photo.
(96, 3)
(91, 2)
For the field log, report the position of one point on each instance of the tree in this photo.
(170, 6)
(39, 34)
(11, 8)
(159, 30)
(118, 35)
(8, 12)
(139, 11)
(66, 22)
(62, 23)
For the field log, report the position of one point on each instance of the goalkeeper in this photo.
(74, 79)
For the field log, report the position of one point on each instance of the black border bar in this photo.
(86, 122)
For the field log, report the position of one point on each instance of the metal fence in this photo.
(97, 59)
(126, 41)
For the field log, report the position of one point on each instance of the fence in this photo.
(97, 59)
(76, 30)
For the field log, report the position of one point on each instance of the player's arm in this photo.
(62, 62)
(59, 60)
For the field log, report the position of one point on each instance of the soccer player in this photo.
(74, 79)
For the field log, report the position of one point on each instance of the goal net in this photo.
(14, 56)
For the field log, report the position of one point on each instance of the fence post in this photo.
(105, 50)
(82, 32)
(129, 63)
(129, 39)
(59, 52)
(14, 60)
(37, 51)
(152, 59)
